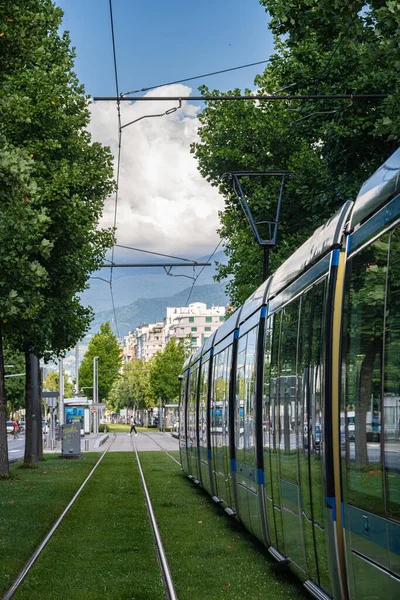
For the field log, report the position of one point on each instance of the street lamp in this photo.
(95, 392)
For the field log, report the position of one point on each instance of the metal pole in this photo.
(61, 390)
(265, 262)
(76, 369)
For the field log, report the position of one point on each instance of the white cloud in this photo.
(164, 204)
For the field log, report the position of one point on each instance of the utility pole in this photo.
(61, 398)
(77, 370)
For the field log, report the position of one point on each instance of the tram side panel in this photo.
(300, 521)
(370, 407)
(245, 439)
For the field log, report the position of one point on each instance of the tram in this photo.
(289, 413)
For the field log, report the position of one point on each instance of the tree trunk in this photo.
(364, 403)
(32, 409)
(4, 466)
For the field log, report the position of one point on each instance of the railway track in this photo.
(24, 572)
(160, 446)
(165, 570)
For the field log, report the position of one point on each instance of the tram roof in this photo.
(324, 239)
(377, 189)
(227, 327)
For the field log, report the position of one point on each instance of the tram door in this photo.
(182, 423)
(293, 426)
(192, 418)
(370, 438)
(220, 426)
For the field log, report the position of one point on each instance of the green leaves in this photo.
(321, 47)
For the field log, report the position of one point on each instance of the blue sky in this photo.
(160, 41)
(164, 204)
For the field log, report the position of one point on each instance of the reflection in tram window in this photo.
(391, 401)
(365, 312)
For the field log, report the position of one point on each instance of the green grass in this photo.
(121, 428)
(30, 503)
(211, 556)
(104, 548)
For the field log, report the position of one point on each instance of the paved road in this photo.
(16, 448)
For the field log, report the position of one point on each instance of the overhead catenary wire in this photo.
(156, 253)
(153, 87)
(197, 276)
(118, 159)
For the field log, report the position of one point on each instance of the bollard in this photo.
(86, 445)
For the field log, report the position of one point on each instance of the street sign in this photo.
(94, 410)
(52, 394)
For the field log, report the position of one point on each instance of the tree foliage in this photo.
(132, 389)
(52, 382)
(166, 367)
(331, 146)
(104, 345)
(54, 183)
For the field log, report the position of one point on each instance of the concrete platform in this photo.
(152, 441)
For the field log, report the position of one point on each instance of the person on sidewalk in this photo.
(15, 430)
(133, 426)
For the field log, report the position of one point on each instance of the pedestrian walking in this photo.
(133, 426)
(15, 429)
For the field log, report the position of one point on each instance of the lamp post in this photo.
(95, 393)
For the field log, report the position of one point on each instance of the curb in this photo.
(100, 442)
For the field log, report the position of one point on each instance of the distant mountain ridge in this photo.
(152, 310)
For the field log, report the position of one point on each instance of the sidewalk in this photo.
(144, 442)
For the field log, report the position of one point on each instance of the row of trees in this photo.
(54, 181)
(331, 146)
(143, 384)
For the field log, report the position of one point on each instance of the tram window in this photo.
(203, 392)
(266, 391)
(287, 390)
(391, 399)
(364, 312)
(240, 408)
(249, 427)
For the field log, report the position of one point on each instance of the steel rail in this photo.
(163, 449)
(161, 552)
(39, 549)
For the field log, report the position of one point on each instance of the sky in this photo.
(164, 204)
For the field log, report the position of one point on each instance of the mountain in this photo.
(152, 310)
(131, 284)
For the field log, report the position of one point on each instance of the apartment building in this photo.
(195, 320)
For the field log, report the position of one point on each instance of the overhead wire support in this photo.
(193, 264)
(263, 97)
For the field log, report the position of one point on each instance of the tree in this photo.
(132, 389)
(165, 370)
(24, 245)
(104, 345)
(331, 147)
(52, 382)
(45, 114)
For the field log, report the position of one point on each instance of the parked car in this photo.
(10, 426)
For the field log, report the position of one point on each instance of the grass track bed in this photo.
(104, 548)
(211, 556)
(30, 503)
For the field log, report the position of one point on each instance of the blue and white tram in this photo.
(289, 413)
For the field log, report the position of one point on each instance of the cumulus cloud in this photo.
(164, 204)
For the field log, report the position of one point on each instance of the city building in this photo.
(195, 320)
